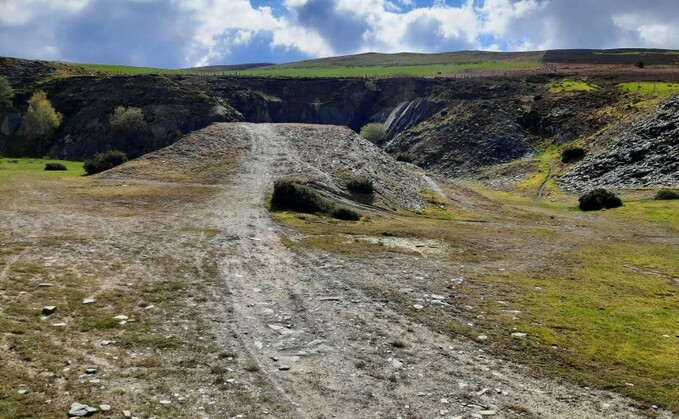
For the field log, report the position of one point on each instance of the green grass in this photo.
(387, 71)
(362, 65)
(649, 88)
(605, 308)
(36, 167)
(138, 71)
(570, 85)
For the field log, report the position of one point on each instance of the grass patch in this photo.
(34, 169)
(649, 88)
(571, 85)
(605, 309)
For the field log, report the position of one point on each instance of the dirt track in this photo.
(320, 316)
(316, 334)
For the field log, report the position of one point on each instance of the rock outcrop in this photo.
(645, 154)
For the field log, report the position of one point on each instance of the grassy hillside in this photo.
(360, 65)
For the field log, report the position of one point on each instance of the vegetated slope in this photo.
(645, 153)
(407, 58)
(25, 74)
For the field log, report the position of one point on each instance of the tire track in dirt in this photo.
(329, 340)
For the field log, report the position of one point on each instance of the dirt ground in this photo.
(221, 317)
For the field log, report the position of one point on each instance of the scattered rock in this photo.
(45, 285)
(89, 301)
(487, 413)
(519, 335)
(22, 392)
(104, 407)
(127, 414)
(482, 337)
(47, 310)
(79, 409)
(418, 306)
(165, 402)
(284, 368)
(120, 317)
(90, 370)
(59, 324)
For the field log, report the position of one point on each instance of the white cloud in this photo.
(216, 31)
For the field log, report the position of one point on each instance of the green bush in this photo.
(104, 161)
(127, 119)
(290, 195)
(666, 194)
(345, 214)
(599, 199)
(55, 166)
(41, 119)
(572, 154)
(360, 185)
(374, 132)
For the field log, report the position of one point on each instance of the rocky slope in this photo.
(451, 126)
(644, 154)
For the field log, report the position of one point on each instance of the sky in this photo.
(185, 33)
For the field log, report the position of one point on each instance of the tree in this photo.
(6, 93)
(41, 119)
(127, 119)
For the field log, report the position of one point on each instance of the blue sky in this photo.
(183, 33)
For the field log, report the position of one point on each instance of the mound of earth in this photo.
(643, 155)
(323, 156)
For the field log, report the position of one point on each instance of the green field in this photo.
(571, 85)
(136, 71)
(361, 65)
(35, 168)
(650, 88)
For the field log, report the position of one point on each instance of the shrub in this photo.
(599, 199)
(41, 119)
(405, 157)
(6, 93)
(374, 132)
(640, 64)
(104, 161)
(127, 119)
(360, 185)
(291, 195)
(666, 194)
(346, 214)
(55, 166)
(572, 154)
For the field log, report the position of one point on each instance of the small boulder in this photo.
(47, 310)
